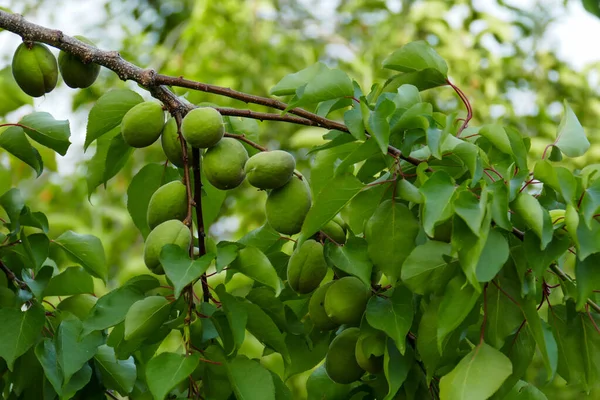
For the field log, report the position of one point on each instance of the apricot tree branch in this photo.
(156, 83)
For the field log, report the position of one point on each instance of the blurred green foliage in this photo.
(250, 45)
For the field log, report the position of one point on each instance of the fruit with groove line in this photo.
(168, 202)
(35, 69)
(203, 127)
(270, 169)
(75, 72)
(169, 140)
(346, 300)
(307, 267)
(169, 232)
(340, 362)
(287, 206)
(224, 164)
(316, 309)
(142, 124)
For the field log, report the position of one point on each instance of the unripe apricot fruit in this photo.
(74, 71)
(270, 169)
(169, 232)
(224, 164)
(203, 127)
(35, 69)
(142, 124)
(340, 362)
(287, 206)
(307, 267)
(168, 202)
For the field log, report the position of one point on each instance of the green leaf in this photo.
(334, 196)
(352, 258)
(537, 218)
(539, 260)
(44, 129)
(146, 316)
(254, 264)
(503, 316)
(525, 391)
(571, 139)
(492, 257)
(73, 280)
(96, 166)
(498, 137)
(587, 273)
(363, 205)
(392, 315)
(288, 84)
(326, 85)
(119, 375)
(590, 203)
(111, 308)
(108, 111)
(250, 380)
(13, 203)
(45, 351)
(305, 352)
(395, 367)
(226, 253)
(180, 269)
(477, 376)
(74, 349)
(15, 142)
(235, 313)
(20, 330)
(558, 178)
(542, 335)
(364, 151)
(416, 57)
(11, 95)
(36, 247)
(40, 282)
(262, 238)
(87, 250)
(471, 209)
(499, 194)
(142, 187)
(264, 329)
(212, 201)
(458, 301)
(320, 387)
(167, 370)
(426, 269)
(437, 207)
(377, 123)
(592, 6)
(354, 121)
(117, 155)
(391, 234)
(520, 349)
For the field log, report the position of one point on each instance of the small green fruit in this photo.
(346, 300)
(169, 232)
(224, 164)
(168, 202)
(307, 267)
(316, 309)
(270, 169)
(369, 351)
(340, 363)
(35, 69)
(203, 127)
(142, 124)
(75, 72)
(171, 145)
(335, 231)
(287, 206)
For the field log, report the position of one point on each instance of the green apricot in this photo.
(270, 169)
(203, 127)
(340, 362)
(316, 309)
(169, 232)
(35, 69)
(335, 231)
(369, 352)
(346, 300)
(224, 164)
(307, 267)
(287, 206)
(171, 145)
(142, 124)
(74, 71)
(168, 202)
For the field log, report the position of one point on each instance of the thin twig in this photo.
(12, 277)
